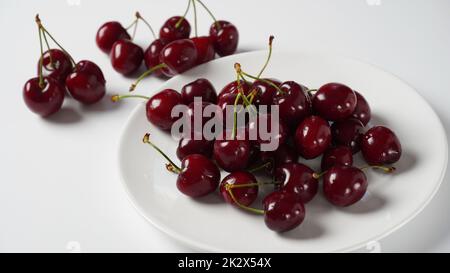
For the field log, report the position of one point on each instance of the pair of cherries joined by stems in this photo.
(173, 52)
(57, 71)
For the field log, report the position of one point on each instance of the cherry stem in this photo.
(383, 168)
(41, 60)
(268, 57)
(233, 131)
(139, 17)
(48, 49)
(195, 17)
(171, 166)
(132, 24)
(229, 188)
(134, 30)
(177, 25)
(318, 175)
(116, 98)
(145, 74)
(210, 13)
(45, 31)
(237, 66)
(260, 167)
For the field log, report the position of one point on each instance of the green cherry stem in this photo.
(233, 131)
(229, 188)
(268, 57)
(116, 98)
(145, 74)
(139, 17)
(382, 168)
(171, 166)
(210, 14)
(260, 167)
(41, 60)
(195, 17)
(177, 25)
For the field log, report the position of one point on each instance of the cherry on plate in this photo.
(298, 179)
(198, 177)
(199, 88)
(380, 146)
(348, 133)
(293, 103)
(362, 110)
(313, 137)
(243, 195)
(283, 211)
(334, 101)
(340, 155)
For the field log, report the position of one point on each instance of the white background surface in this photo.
(59, 185)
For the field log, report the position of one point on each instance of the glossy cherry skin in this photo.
(245, 195)
(284, 154)
(108, 34)
(151, 56)
(362, 110)
(61, 67)
(334, 101)
(348, 133)
(179, 56)
(298, 179)
(126, 57)
(200, 108)
(313, 137)
(340, 155)
(294, 104)
(266, 91)
(232, 154)
(225, 38)
(264, 122)
(159, 108)
(199, 88)
(188, 146)
(380, 145)
(232, 88)
(46, 101)
(87, 83)
(344, 185)
(170, 32)
(205, 49)
(199, 176)
(283, 211)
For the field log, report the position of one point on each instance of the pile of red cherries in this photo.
(58, 73)
(330, 122)
(173, 52)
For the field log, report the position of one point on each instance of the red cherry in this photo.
(334, 101)
(87, 83)
(298, 179)
(199, 176)
(347, 133)
(294, 104)
(341, 155)
(362, 109)
(179, 56)
(108, 34)
(126, 57)
(199, 88)
(171, 32)
(283, 211)
(243, 195)
(265, 121)
(205, 49)
(380, 146)
(232, 154)
(232, 88)
(266, 91)
(313, 137)
(59, 69)
(189, 146)
(151, 56)
(344, 185)
(284, 154)
(43, 101)
(204, 118)
(225, 38)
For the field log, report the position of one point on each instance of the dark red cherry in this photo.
(261, 129)
(294, 104)
(170, 32)
(380, 145)
(283, 211)
(205, 49)
(348, 133)
(225, 38)
(232, 154)
(188, 146)
(340, 155)
(43, 101)
(199, 108)
(108, 34)
(313, 137)
(298, 179)
(126, 57)
(199, 88)
(334, 101)
(362, 109)
(179, 56)
(199, 176)
(56, 65)
(232, 88)
(284, 154)
(344, 185)
(159, 108)
(87, 83)
(151, 55)
(243, 195)
(266, 91)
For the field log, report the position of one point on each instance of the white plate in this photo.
(209, 224)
